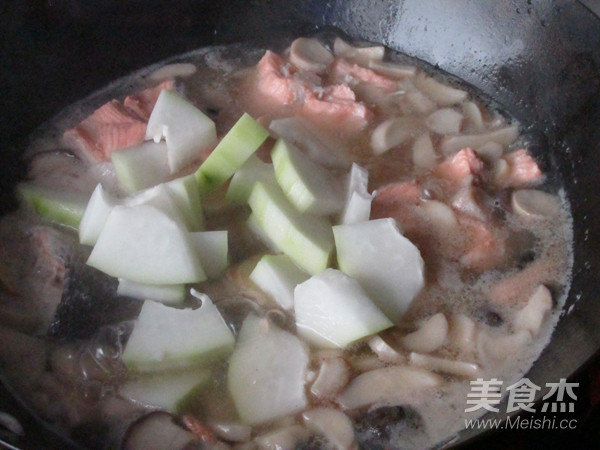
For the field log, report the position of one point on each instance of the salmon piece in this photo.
(516, 289)
(485, 246)
(460, 166)
(403, 192)
(275, 83)
(109, 128)
(399, 201)
(522, 170)
(335, 103)
(335, 109)
(115, 125)
(142, 103)
(474, 244)
(342, 92)
(346, 72)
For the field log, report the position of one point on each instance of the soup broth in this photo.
(446, 255)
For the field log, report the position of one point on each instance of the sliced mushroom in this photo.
(385, 351)
(334, 374)
(440, 93)
(504, 136)
(394, 132)
(419, 102)
(333, 424)
(423, 153)
(448, 366)
(446, 121)
(360, 54)
(391, 69)
(440, 215)
(430, 336)
(467, 201)
(535, 204)
(365, 363)
(502, 346)
(309, 54)
(232, 432)
(157, 431)
(462, 334)
(387, 386)
(490, 151)
(500, 171)
(530, 318)
(283, 438)
(474, 116)
(173, 70)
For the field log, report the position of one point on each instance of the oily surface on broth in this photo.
(453, 175)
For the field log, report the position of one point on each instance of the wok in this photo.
(539, 59)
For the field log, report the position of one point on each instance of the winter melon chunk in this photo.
(169, 338)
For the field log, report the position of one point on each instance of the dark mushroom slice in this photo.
(89, 302)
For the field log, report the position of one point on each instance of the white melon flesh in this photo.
(96, 212)
(186, 129)
(307, 185)
(171, 294)
(159, 198)
(278, 276)
(306, 239)
(165, 390)
(333, 310)
(267, 372)
(232, 152)
(357, 207)
(168, 338)
(143, 244)
(185, 193)
(252, 224)
(142, 166)
(243, 180)
(386, 264)
(212, 250)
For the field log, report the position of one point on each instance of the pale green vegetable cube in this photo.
(386, 264)
(231, 153)
(332, 310)
(96, 212)
(243, 180)
(143, 244)
(306, 239)
(60, 206)
(212, 250)
(142, 166)
(278, 276)
(168, 338)
(171, 294)
(267, 372)
(186, 129)
(165, 390)
(306, 184)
